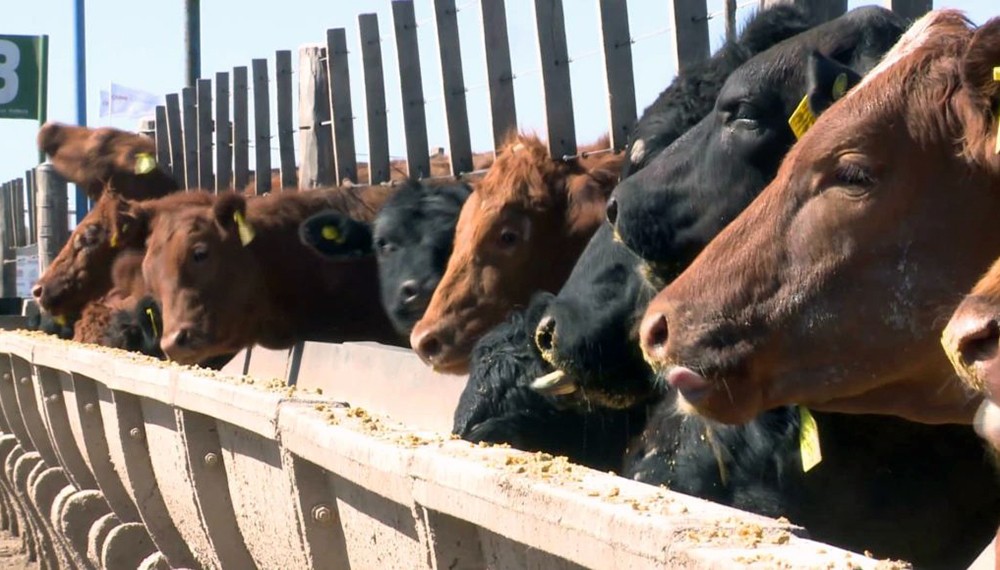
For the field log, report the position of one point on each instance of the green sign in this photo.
(23, 67)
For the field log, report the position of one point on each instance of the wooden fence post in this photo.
(500, 79)
(190, 103)
(223, 134)
(20, 229)
(617, 41)
(912, 9)
(8, 276)
(205, 177)
(262, 126)
(453, 84)
(316, 166)
(690, 32)
(411, 84)
(162, 138)
(730, 16)
(341, 110)
(375, 109)
(31, 196)
(560, 128)
(177, 165)
(52, 213)
(286, 132)
(241, 129)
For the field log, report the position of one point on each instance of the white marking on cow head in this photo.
(638, 151)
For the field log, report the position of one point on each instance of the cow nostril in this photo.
(981, 346)
(428, 346)
(409, 291)
(37, 291)
(612, 211)
(654, 334)
(182, 338)
(545, 334)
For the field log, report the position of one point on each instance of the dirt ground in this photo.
(12, 554)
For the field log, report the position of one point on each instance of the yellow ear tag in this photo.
(59, 320)
(152, 322)
(144, 163)
(114, 240)
(839, 86)
(809, 440)
(996, 77)
(245, 230)
(332, 234)
(802, 119)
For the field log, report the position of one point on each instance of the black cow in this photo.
(46, 323)
(138, 330)
(412, 237)
(494, 409)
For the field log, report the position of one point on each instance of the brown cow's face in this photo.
(204, 277)
(829, 290)
(82, 271)
(519, 232)
(972, 336)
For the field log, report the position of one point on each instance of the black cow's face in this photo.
(413, 237)
(667, 212)
(586, 329)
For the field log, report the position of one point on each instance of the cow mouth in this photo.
(711, 397)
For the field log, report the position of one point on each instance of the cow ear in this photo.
(828, 80)
(981, 76)
(230, 213)
(336, 235)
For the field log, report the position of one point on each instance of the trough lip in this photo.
(545, 502)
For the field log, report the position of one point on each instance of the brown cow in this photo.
(520, 231)
(106, 157)
(828, 290)
(219, 294)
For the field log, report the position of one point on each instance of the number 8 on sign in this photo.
(10, 58)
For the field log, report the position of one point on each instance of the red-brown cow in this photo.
(231, 272)
(106, 157)
(520, 231)
(828, 290)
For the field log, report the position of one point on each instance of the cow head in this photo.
(81, 272)
(519, 232)
(199, 264)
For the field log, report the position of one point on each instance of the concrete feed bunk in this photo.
(118, 461)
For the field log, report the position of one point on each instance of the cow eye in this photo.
(854, 180)
(383, 246)
(745, 115)
(508, 237)
(199, 253)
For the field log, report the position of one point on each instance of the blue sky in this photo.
(140, 45)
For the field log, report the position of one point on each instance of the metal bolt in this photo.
(53, 398)
(211, 459)
(322, 514)
(24, 380)
(89, 408)
(6, 376)
(135, 433)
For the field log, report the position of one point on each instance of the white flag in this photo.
(127, 102)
